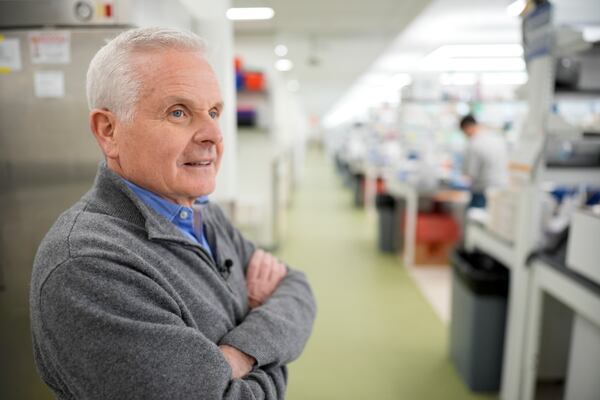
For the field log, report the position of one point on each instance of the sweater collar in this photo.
(125, 204)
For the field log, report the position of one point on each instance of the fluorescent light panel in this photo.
(250, 13)
(477, 50)
(487, 79)
(281, 50)
(486, 64)
(284, 65)
(476, 64)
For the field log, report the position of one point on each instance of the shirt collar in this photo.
(162, 206)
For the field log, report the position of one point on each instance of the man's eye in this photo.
(177, 113)
(213, 114)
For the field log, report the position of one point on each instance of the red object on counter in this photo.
(435, 237)
(237, 63)
(254, 81)
(436, 228)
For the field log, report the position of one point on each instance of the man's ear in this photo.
(102, 125)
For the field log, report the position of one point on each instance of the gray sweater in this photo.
(124, 306)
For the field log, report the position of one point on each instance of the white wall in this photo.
(167, 13)
(289, 127)
(264, 156)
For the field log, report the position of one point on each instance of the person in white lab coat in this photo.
(486, 160)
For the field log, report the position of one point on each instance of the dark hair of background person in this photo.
(467, 120)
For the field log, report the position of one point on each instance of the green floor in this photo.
(375, 336)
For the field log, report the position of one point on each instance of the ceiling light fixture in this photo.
(483, 64)
(284, 65)
(250, 13)
(281, 50)
(475, 57)
(487, 78)
(477, 50)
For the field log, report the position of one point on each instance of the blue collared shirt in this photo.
(181, 216)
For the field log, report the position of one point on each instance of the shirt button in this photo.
(184, 214)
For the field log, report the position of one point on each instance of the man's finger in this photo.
(255, 264)
(283, 270)
(263, 270)
(272, 268)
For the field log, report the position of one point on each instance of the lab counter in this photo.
(561, 331)
(552, 280)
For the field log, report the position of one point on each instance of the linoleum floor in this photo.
(375, 336)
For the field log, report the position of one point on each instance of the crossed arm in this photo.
(109, 332)
(263, 276)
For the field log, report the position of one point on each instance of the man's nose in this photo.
(208, 131)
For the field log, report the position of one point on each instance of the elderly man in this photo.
(143, 289)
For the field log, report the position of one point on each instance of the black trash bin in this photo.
(478, 319)
(389, 223)
(346, 174)
(358, 192)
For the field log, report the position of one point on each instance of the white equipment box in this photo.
(583, 251)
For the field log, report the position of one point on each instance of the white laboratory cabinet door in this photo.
(584, 361)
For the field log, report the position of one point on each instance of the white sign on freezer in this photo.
(49, 84)
(10, 54)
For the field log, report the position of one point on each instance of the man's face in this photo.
(173, 145)
(469, 129)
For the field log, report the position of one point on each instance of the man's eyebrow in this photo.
(171, 100)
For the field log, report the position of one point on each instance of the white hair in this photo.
(112, 82)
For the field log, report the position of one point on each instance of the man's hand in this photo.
(264, 274)
(241, 363)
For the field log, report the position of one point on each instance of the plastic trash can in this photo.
(478, 319)
(388, 224)
(358, 192)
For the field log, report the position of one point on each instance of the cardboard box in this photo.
(433, 253)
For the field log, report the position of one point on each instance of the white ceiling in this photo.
(331, 42)
(450, 22)
(334, 42)
(332, 17)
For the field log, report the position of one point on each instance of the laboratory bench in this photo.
(552, 279)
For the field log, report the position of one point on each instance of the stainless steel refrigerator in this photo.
(48, 156)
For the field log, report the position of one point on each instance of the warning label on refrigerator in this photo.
(51, 47)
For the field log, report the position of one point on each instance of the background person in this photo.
(486, 160)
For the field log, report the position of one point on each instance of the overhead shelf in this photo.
(572, 175)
